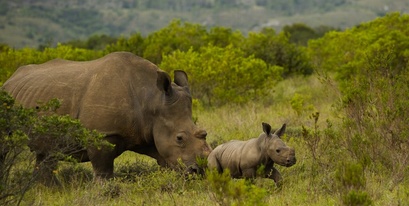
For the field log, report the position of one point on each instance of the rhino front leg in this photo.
(102, 159)
(44, 170)
(276, 176)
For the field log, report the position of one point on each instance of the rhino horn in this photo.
(280, 131)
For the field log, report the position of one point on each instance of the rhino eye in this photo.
(278, 150)
(179, 139)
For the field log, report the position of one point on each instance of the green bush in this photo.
(371, 64)
(223, 75)
(276, 49)
(352, 183)
(60, 136)
(228, 191)
(176, 36)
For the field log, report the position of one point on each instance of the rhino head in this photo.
(177, 138)
(277, 150)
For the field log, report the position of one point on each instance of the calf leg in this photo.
(275, 175)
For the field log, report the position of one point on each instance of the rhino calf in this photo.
(243, 158)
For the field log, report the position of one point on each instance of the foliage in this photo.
(223, 37)
(94, 42)
(300, 33)
(176, 36)
(228, 191)
(11, 59)
(299, 105)
(352, 182)
(371, 64)
(222, 75)
(132, 44)
(275, 49)
(60, 136)
(30, 24)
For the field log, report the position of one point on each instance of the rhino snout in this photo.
(290, 161)
(195, 169)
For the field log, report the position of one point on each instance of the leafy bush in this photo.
(371, 63)
(352, 182)
(176, 36)
(275, 49)
(228, 191)
(59, 136)
(223, 75)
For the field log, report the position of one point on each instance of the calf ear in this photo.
(181, 78)
(164, 82)
(266, 128)
(280, 131)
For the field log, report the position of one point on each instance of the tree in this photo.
(176, 36)
(276, 50)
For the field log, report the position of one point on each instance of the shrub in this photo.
(223, 75)
(276, 50)
(371, 64)
(228, 191)
(60, 136)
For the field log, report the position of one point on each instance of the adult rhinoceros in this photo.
(123, 96)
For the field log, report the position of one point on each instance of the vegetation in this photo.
(343, 95)
(46, 23)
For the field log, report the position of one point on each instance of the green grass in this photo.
(140, 181)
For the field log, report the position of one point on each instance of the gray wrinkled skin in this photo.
(243, 158)
(125, 97)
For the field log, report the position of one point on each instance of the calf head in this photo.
(277, 150)
(177, 138)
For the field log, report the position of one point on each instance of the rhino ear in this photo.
(164, 82)
(266, 128)
(280, 131)
(181, 78)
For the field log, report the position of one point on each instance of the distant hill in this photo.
(30, 23)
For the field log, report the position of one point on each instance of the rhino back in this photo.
(105, 94)
(237, 155)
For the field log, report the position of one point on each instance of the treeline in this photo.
(210, 57)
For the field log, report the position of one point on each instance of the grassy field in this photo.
(140, 181)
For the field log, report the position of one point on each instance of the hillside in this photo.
(26, 23)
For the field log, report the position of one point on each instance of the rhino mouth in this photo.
(290, 162)
(195, 169)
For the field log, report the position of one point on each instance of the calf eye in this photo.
(179, 138)
(278, 150)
